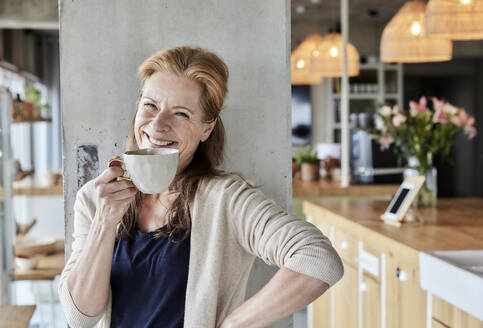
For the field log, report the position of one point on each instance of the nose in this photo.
(161, 122)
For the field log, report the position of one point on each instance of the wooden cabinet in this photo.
(450, 316)
(345, 299)
(346, 245)
(321, 310)
(437, 324)
(406, 301)
(381, 284)
(371, 302)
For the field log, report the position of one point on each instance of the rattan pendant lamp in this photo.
(455, 19)
(301, 59)
(404, 40)
(329, 61)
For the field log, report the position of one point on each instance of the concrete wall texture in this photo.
(102, 44)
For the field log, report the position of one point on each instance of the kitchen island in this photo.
(381, 285)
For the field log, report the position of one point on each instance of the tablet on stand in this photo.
(402, 200)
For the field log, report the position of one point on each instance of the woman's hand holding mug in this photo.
(113, 194)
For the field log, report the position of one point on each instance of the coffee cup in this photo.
(151, 170)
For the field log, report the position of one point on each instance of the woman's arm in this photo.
(309, 264)
(85, 280)
(89, 281)
(286, 293)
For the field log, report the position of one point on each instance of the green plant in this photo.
(32, 95)
(306, 155)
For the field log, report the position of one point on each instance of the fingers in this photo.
(115, 186)
(109, 175)
(124, 194)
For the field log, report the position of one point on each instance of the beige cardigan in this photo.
(232, 224)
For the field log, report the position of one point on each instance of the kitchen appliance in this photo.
(370, 165)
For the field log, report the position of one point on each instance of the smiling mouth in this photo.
(153, 143)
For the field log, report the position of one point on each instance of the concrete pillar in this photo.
(103, 42)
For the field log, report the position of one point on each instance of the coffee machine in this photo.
(370, 165)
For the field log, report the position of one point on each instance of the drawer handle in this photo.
(401, 275)
(344, 244)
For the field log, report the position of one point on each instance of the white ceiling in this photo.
(323, 11)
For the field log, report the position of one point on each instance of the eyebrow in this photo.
(182, 107)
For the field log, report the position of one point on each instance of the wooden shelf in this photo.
(358, 96)
(48, 268)
(16, 316)
(37, 191)
(31, 120)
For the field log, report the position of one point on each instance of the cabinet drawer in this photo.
(346, 245)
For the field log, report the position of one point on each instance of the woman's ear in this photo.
(207, 128)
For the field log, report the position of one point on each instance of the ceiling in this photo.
(328, 11)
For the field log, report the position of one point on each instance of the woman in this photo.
(183, 257)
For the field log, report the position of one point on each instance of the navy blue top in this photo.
(148, 281)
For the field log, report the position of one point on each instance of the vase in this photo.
(428, 194)
(310, 171)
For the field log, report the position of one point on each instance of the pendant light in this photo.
(301, 59)
(404, 40)
(329, 59)
(455, 19)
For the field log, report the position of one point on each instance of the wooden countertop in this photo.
(16, 316)
(329, 188)
(48, 268)
(456, 224)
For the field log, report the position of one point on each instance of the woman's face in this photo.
(169, 115)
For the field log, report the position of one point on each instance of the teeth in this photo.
(160, 143)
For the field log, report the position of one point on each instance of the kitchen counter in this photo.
(332, 188)
(381, 261)
(456, 224)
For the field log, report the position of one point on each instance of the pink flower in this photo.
(418, 108)
(398, 119)
(385, 141)
(423, 103)
(470, 131)
(464, 115)
(438, 104)
(457, 120)
(470, 121)
(440, 115)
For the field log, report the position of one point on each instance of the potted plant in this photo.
(306, 157)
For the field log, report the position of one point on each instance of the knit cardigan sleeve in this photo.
(84, 210)
(267, 231)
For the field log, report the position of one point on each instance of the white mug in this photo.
(151, 169)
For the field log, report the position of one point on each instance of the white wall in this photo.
(102, 44)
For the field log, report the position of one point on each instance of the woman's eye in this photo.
(182, 114)
(149, 106)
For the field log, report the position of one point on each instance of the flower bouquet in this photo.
(422, 132)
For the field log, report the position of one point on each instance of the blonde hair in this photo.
(211, 74)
